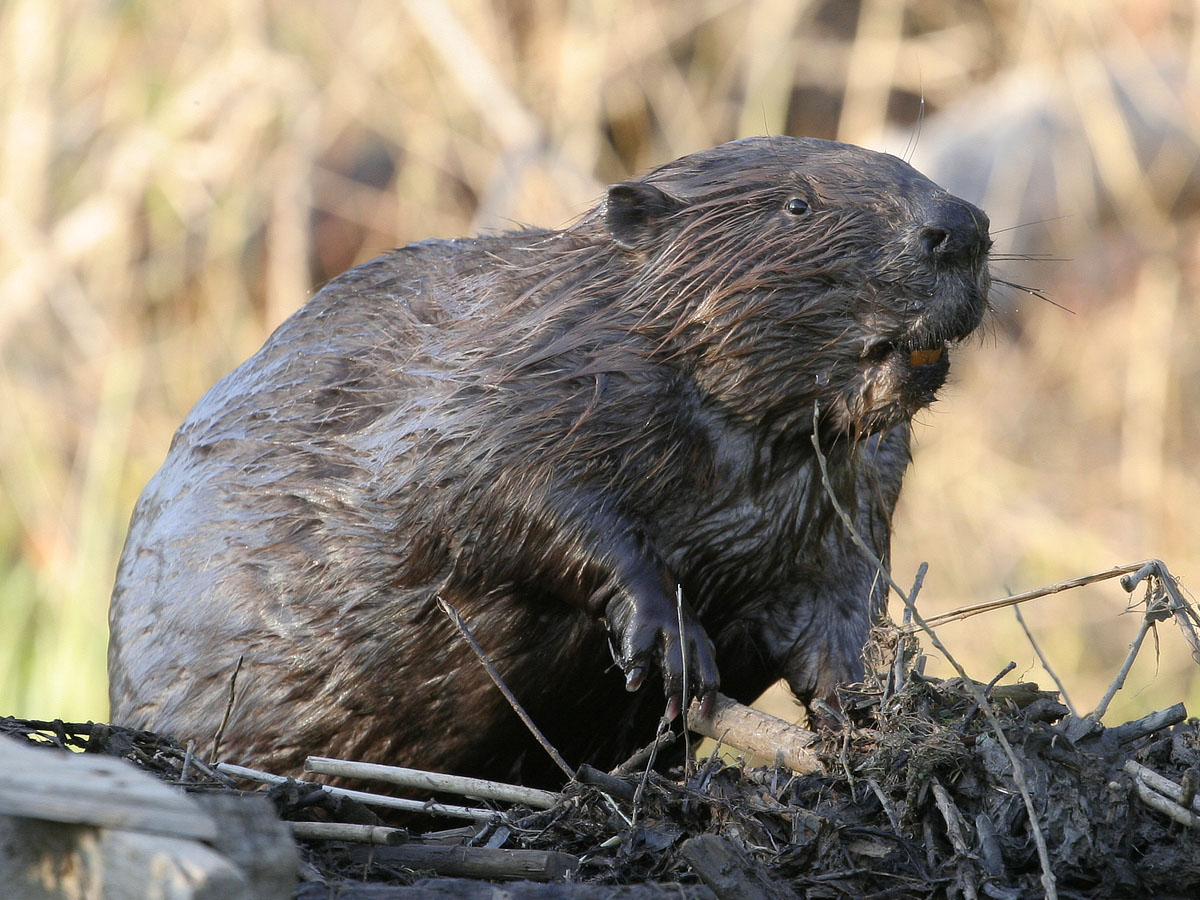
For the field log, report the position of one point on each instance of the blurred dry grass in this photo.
(174, 178)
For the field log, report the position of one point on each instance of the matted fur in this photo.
(552, 430)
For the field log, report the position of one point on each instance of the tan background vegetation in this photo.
(175, 178)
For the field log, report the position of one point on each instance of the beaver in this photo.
(558, 432)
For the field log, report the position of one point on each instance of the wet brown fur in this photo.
(552, 430)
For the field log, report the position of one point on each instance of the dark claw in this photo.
(634, 678)
(674, 704)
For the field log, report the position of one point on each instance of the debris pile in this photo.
(926, 788)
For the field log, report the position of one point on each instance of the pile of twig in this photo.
(914, 798)
(158, 754)
(952, 788)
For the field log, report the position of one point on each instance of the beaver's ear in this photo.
(636, 213)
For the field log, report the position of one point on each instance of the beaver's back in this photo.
(294, 504)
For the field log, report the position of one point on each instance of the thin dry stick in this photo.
(885, 803)
(965, 612)
(1062, 688)
(216, 748)
(988, 689)
(454, 617)
(996, 678)
(1135, 647)
(414, 806)
(612, 804)
(954, 820)
(1185, 614)
(664, 726)
(1048, 881)
(1162, 784)
(634, 763)
(344, 831)
(1155, 800)
(898, 668)
(687, 743)
(188, 756)
(209, 772)
(1130, 575)
(432, 781)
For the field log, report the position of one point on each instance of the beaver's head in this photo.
(792, 272)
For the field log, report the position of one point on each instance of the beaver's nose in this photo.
(955, 232)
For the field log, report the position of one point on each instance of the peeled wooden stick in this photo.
(340, 831)
(414, 806)
(757, 733)
(1164, 805)
(432, 781)
(1163, 785)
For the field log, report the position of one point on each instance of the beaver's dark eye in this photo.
(797, 206)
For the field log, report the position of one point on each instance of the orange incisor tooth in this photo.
(924, 357)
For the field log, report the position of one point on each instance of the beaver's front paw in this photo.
(647, 630)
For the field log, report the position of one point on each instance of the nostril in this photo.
(934, 239)
(956, 232)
